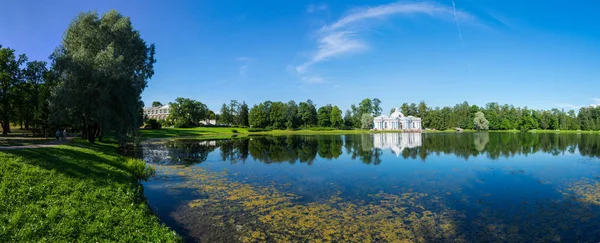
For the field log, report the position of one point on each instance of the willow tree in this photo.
(103, 65)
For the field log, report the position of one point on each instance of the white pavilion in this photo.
(397, 121)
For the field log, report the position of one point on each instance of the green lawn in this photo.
(76, 192)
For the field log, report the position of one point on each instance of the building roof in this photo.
(161, 107)
(397, 114)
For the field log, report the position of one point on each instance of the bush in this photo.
(181, 124)
(259, 129)
(153, 124)
(234, 130)
(139, 169)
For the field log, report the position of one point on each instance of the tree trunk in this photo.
(5, 126)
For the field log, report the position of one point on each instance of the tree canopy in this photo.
(103, 65)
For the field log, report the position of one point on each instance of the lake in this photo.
(382, 187)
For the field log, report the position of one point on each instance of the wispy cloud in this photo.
(595, 103)
(569, 106)
(244, 59)
(316, 7)
(343, 36)
(312, 80)
(245, 64)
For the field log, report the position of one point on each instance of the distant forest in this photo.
(292, 115)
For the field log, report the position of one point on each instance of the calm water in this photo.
(470, 187)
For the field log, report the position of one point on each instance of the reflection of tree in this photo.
(480, 140)
(179, 151)
(304, 149)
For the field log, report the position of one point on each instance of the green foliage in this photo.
(103, 65)
(324, 116)
(139, 169)
(10, 80)
(78, 192)
(187, 112)
(480, 122)
(336, 117)
(234, 130)
(156, 104)
(366, 121)
(153, 124)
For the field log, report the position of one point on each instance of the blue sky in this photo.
(540, 54)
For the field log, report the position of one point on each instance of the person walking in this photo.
(64, 134)
(57, 134)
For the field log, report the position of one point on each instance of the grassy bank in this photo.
(76, 192)
(230, 131)
(224, 132)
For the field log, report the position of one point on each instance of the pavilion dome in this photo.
(397, 114)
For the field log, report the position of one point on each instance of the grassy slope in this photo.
(75, 192)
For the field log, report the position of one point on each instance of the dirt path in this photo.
(50, 144)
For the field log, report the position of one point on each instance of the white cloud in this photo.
(342, 36)
(312, 79)
(244, 67)
(314, 8)
(244, 59)
(334, 44)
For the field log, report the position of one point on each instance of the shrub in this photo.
(139, 169)
(234, 130)
(181, 124)
(153, 124)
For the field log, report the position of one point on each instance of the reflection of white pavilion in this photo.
(397, 141)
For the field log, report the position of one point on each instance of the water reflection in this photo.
(368, 148)
(397, 142)
(469, 187)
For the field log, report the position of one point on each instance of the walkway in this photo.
(50, 144)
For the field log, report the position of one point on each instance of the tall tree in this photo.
(376, 107)
(366, 107)
(307, 113)
(28, 102)
(348, 122)
(156, 104)
(480, 122)
(104, 66)
(187, 112)
(225, 117)
(291, 115)
(336, 117)
(366, 121)
(404, 109)
(10, 78)
(244, 114)
(324, 116)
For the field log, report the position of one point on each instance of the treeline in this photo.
(306, 115)
(290, 115)
(93, 84)
(504, 117)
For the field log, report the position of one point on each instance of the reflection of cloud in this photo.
(397, 142)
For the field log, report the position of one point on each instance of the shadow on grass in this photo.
(92, 164)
